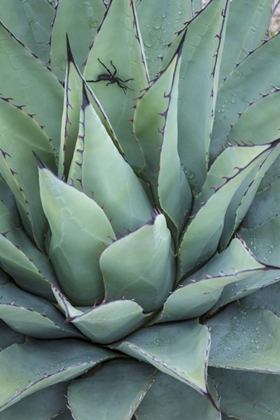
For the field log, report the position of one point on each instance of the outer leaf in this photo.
(264, 207)
(106, 323)
(106, 176)
(42, 405)
(29, 267)
(37, 364)
(170, 399)
(147, 271)
(258, 123)
(113, 392)
(197, 294)
(246, 287)
(245, 338)
(19, 136)
(256, 393)
(76, 240)
(178, 349)
(80, 20)
(243, 199)
(244, 85)
(202, 235)
(27, 81)
(156, 30)
(30, 21)
(155, 127)
(264, 241)
(120, 27)
(246, 29)
(267, 297)
(32, 315)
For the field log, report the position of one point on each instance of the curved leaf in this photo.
(169, 399)
(106, 176)
(140, 266)
(246, 29)
(106, 323)
(198, 293)
(155, 126)
(37, 364)
(31, 315)
(42, 405)
(29, 267)
(76, 240)
(79, 20)
(119, 28)
(245, 338)
(158, 24)
(256, 393)
(30, 21)
(202, 235)
(19, 136)
(27, 81)
(178, 349)
(244, 85)
(114, 391)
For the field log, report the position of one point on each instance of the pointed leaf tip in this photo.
(70, 57)
(85, 101)
(38, 160)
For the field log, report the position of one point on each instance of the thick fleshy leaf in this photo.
(27, 81)
(119, 28)
(245, 338)
(258, 123)
(32, 315)
(140, 266)
(264, 207)
(264, 240)
(71, 114)
(201, 56)
(171, 399)
(19, 136)
(246, 287)
(30, 268)
(247, 395)
(106, 176)
(113, 392)
(79, 20)
(42, 405)
(244, 85)
(178, 349)
(30, 21)
(155, 126)
(198, 293)
(246, 29)
(37, 364)
(266, 297)
(202, 235)
(156, 30)
(243, 198)
(79, 230)
(106, 323)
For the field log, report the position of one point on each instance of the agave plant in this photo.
(139, 211)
